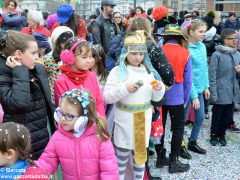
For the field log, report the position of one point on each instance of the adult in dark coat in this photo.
(24, 88)
(104, 29)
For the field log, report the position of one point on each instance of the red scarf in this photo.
(77, 77)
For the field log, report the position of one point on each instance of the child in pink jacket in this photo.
(82, 143)
(1, 114)
(77, 59)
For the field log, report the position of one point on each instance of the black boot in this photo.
(184, 153)
(213, 140)
(162, 159)
(176, 166)
(150, 177)
(193, 146)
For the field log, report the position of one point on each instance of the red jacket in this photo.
(34, 173)
(40, 29)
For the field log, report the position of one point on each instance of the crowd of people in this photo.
(91, 97)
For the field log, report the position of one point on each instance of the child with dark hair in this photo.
(24, 88)
(98, 64)
(15, 161)
(224, 87)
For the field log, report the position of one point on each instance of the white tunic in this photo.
(115, 91)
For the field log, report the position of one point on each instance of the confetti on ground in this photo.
(219, 162)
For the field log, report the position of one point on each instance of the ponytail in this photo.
(102, 131)
(194, 25)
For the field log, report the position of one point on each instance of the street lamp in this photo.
(134, 3)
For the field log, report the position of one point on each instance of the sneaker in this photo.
(213, 140)
(234, 128)
(222, 141)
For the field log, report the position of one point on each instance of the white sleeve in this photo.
(158, 95)
(114, 90)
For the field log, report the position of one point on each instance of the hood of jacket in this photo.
(209, 35)
(225, 49)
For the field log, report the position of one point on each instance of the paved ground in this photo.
(219, 162)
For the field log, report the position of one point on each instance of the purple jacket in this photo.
(179, 93)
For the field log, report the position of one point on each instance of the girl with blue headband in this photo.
(132, 85)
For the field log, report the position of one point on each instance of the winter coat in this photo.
(224, 85)
(39, 29)
(114, 52)
(211, 39)
(1, 114)
(13, 21)
(200, 80)
(26, 100)
(232, 25)
(103, 31)
(83, 158)
(63, 84)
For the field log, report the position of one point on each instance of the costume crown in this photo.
(136, 42)
(137, 38)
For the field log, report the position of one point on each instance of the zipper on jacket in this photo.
(45, 105)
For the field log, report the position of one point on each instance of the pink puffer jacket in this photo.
(1, 114)
(83, 158)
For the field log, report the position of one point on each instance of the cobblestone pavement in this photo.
(219, 162)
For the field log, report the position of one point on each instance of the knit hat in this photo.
(42, 41)
(135, 42)
(161, 16)
(57, 32)
(209, 19)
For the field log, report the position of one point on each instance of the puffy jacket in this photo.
(27, 102)
(83, 158)
(211, 39)
(13, 21)
(63, 84)
(224, 86)
(103, 31)
(1, 114)
(200, 80)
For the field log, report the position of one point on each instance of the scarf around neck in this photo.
(77, 77)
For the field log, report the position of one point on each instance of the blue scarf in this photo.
(13, 172)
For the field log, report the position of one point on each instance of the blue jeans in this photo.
(199, 117)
